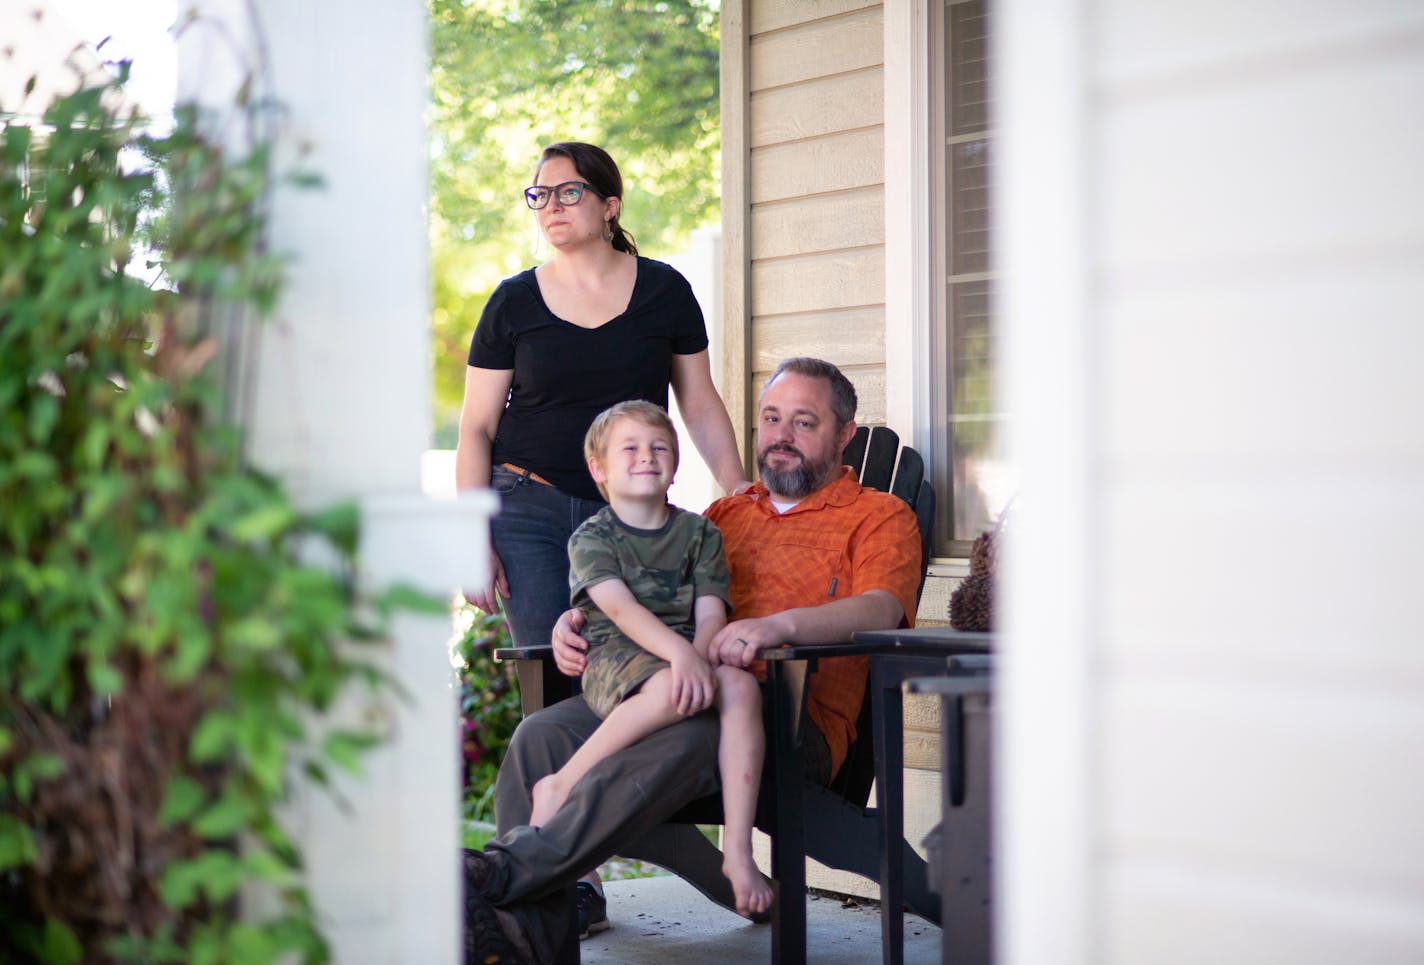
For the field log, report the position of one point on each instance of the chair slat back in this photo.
(854, 455)
(880, 452)
(925, 515)
(909, 474)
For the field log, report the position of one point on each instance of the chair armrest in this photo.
(810, 651)
(525, 653)
(540, 682)
(971, 663)
(962, 686)
(927, 641)
(931, 640)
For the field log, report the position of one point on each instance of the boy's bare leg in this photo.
(739, 757)
(636, 717)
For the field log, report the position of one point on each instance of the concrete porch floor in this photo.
(664, 921)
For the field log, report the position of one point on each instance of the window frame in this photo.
(945, 278)
(918, 363)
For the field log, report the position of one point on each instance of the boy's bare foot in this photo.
(548, 796)
(752, 892)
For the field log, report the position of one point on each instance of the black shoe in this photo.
(485, 940)
(479, 869)
(592, 910)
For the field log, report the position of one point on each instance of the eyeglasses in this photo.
(569, 194)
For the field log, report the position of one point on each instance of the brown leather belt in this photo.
(521, 471)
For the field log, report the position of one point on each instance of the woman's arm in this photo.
(707, 421)
(486, 392)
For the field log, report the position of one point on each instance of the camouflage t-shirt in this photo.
(666, 570)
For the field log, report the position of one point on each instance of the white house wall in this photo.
(1213, 739)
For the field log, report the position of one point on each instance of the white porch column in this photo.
(341, 409)
(1212, 685)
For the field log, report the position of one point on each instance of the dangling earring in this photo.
(608, 230)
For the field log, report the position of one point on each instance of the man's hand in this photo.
(570, 649)
(737, 643)
(693, 686)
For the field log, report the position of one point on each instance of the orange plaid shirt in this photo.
(840, 541)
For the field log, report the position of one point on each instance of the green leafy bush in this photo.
(166, 655)
(489, 706)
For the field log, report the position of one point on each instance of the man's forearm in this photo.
(739, 640)
(835, 622)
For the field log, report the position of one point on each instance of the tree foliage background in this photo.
(637, 77)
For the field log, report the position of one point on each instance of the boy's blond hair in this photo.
(595, 441)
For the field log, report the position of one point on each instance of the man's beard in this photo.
(800, 480)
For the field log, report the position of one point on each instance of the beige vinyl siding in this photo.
(817, 107)
(854, 335)
(798, 226)
(812, 232)
(825, 281)
(839, 162)
(766, 17)
(789, 56)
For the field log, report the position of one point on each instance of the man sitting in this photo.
(814, 557)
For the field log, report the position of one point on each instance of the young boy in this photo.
(651, 577)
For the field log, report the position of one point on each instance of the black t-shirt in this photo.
(565, 375)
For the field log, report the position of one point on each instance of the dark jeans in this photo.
(531, 535)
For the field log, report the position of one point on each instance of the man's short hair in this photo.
(595, 441)
(843, 399)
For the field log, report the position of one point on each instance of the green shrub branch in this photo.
(166, 653)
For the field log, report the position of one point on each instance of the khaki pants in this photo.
(620, 799)
(623, 799)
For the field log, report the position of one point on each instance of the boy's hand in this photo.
(693, 686)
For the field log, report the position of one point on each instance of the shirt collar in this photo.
(840, 492)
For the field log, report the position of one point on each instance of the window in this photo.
(972, 480)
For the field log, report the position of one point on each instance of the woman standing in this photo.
(557, 344)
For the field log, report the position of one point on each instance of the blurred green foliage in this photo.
(637, 77)
(488, 698)
(169, 657)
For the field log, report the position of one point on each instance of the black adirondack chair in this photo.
(832, 824)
